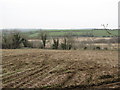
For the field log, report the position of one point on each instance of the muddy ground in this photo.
(36, 68)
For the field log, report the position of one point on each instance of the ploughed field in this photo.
(36, 68)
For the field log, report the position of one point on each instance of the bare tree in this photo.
(107, 30)
(55, 43)
(43, 36)
(12, 40)
(68, 41)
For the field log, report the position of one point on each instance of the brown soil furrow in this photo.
(7, 65)
(40, 78)
(16, 66)
(12, 60)
(55, 78)
(45, 76)
(9, 62)
(35, 68)
(52, 80)
(32, 77)
(68, 79)
(37, 79)
(8, 59)
(23, 77)
(60, 80)
(43, 82)
(18, 74)
(112, 85)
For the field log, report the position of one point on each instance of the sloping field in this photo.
(59, 33)
(35, 68)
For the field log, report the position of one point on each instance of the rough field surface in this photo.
(35, 68)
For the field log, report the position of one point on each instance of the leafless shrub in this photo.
(43, 36)
(13, 40)
(68, 42)
(55, 44)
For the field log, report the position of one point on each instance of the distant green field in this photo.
(79, 33)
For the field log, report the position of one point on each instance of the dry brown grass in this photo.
(81, 42)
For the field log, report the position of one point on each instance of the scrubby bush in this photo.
(105, 48)
(55, 43)
(97, 48)
(68, 42)
(43, 36)
(13, 40)
(85, 48)
(17, 40)
(65, 45)
(6, 42)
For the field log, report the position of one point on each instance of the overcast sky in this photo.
(61, 14)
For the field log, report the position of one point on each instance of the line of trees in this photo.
(16, 40)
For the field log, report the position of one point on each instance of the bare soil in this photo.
(36, 68)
